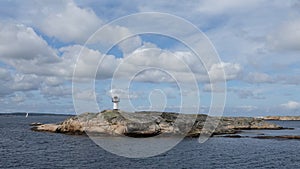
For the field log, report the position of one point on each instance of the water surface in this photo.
(22, 148)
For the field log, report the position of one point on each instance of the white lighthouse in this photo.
(116, 101)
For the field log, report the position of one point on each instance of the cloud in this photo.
(225, 6)
(292, 105)
(70, 23)
(63, 67)
(122, 93)
(53, 81)
(247, 108)
(158, 65)
(256, 77)
(5, 82)
(285, 37)
(129, 45)
(18, 98)
(26, 82)
(5, 75)
(154, 65)
(110, 34)
(14, 82)
(288, 79)
(21, 44)
(224, 71)
(87, 65)
(40, 41)
(154, 76)
(56, 92)
(247, 93)
(66, 21)
(213, 87)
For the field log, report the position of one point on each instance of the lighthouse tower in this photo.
(116, 101)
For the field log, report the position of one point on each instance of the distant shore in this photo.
(282, 118)
(34, 114)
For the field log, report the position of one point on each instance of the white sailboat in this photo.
(26, 115)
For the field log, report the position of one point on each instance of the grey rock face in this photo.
(147, 124)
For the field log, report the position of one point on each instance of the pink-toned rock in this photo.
(147, 124)
(72, 125)
(284, 118)
(46, 127)
(120, 130)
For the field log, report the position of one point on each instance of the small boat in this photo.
(26, 115)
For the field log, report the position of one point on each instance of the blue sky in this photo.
(258, 42)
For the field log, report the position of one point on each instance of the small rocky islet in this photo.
(282, 118)
(147, 124)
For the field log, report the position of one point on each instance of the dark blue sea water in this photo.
(22, 148)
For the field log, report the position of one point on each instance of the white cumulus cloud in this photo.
(292, 105)
(20, 43)
(224, 71)
(70, 24)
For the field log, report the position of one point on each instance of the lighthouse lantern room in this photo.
(115, 101)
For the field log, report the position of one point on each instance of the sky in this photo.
(44, 43)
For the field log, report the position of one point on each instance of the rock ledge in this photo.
(147, 124)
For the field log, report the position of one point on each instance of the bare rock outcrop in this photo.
(147, 124)
(46, 127)
(284, 118)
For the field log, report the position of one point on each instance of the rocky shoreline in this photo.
(282, 118)
(147, 124)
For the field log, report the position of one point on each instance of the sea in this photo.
(22, 148)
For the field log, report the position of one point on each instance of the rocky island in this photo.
(282, 118)
(147, 124)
